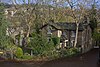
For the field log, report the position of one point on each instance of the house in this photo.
(67, 32)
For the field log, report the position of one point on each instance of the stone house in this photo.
(67, 32)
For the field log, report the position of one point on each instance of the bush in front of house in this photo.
(45, 48)
(54, 55)
(27, 56)
(96, 36)
(56, 40)
(69, 52)
(42, 46)
(19, 52)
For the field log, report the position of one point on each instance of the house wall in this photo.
(72, 39)
(56, 33)
(68, 36)
(79, 40)
(84, 37)
(86, 40)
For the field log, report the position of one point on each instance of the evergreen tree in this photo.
(93, 19)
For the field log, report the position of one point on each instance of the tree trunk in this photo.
(76, 34)
(27, 35)
(28, 32)
(21, 37)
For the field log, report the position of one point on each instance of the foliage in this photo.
(4, 40)
(93, 23)
(10, 50)
(27, 56)
(93, 19)
(96, 36)
(69, 52)
(19, 53)
(56, 40)
(41, 46)
(31, 17)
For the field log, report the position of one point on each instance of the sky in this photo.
(21, 2)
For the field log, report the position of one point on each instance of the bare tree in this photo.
(78, 12)
(25, 15)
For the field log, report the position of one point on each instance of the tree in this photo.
(45, 10)
(93, 18)
(77, 11)
(4, 40)
(24, 16)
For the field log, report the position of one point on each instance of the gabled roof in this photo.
(65, 26)
(70, 26)
(55, 26)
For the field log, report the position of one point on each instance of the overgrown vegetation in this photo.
(19, 52)
(31, 19)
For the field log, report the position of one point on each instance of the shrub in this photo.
(96, 36)
(55, 55)
(10, 49)
(41, 46)
(69, 52)
(26, 56)
(19, 52)
(56, 40)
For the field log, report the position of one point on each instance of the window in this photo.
(64, 33)
(73, 34)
